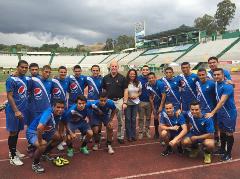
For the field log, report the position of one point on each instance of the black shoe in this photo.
(167, 151)
(121, 141)
(129, 140)
(156, 136)
(226, 157)
(180, 149)
(219, 152)
(134, 139)
(47, 157)
(37, 168)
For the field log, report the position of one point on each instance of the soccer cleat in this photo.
(37, 168)
(147, 133)
(58, 162)
(84, 150)
(16, 161)
(207, 158)
(95, 147)
(110, 149)
(60, 147)
(219, 152)
(226, 157)
(18, 154)
(140, 136)
(180, 149)
(167, 151)
(70, 152)
(194, 153)
(47, 157)
(64, 161)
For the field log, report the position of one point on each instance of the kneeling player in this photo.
(101, 109)
(76, 117)
(202, 131)
(173, 128)
(42, 133)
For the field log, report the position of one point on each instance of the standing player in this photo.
(226, 113)
(173, 128)
(157, 99)
(16, 109)
(172, 86)
(76, 85)
(76, 119)
(94, 83)
(115, 84)
(202, 131)
(40, 89)
(144, 108)
(43, 133)
(34, 69)
(104, 110)
(188, 86)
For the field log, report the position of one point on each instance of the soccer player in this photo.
(104, 110)
(172, 88)
(173, 128)
(94, 83)
(76, 118)
(202, 131)
(76, 85)
(205, 91)
(34, 69)
(157, 99)
(226, 113)
(43, 133)
(144, 108)
(16, 109)
(188, 86)
(213, 64)
(40, 89)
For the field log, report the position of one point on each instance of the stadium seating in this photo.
(165, 58)
(141, 60)
(130, 57)
(7, 61)
(109, 58)
(233, 54)
(68, 61)
(94, 59)
(40, 60)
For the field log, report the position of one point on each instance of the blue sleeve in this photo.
(10, 85)
(111, 105)
(227, 89)
(162, 87)
(45, 117)
(209, 126)
(227, 75)
(162, 120)
(182, 120)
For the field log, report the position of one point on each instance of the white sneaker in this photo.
(18, 154)
(147, 133)
(60, 147)
(64, 143)
(95, 147)
(110, 150)
(16, 161)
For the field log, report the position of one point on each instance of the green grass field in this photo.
(2, 87)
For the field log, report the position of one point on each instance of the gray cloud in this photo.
(94, 20)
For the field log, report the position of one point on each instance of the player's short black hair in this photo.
(168, 102)
(76, 67)
(202, 69)
(46, 67)
(151, 73)
(103, 95)
(58, 101)
(95, 66)
(213, 58)
(218, 69)
(62, 68)
(168, 68)
(22, 62)
(33, 65)
(195, 103)
(81, 98)
(144, 66)
(185, 63)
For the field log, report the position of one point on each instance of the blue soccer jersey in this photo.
(109, 106)
(40, 90)
(74, 115)
(18, 86)
(60, 89)
(172, 88)
(188, 90)
(94, 87)
(206, 95)
(144, 97)
(200, 125)
(156, 90)
(226, 73)
(76, 87)
(47, 119)
(172, 120)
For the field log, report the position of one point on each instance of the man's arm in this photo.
(204, 136)
(181, 134)
(162, 102)
(12, 103)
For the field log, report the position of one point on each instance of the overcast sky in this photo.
(34, 22)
